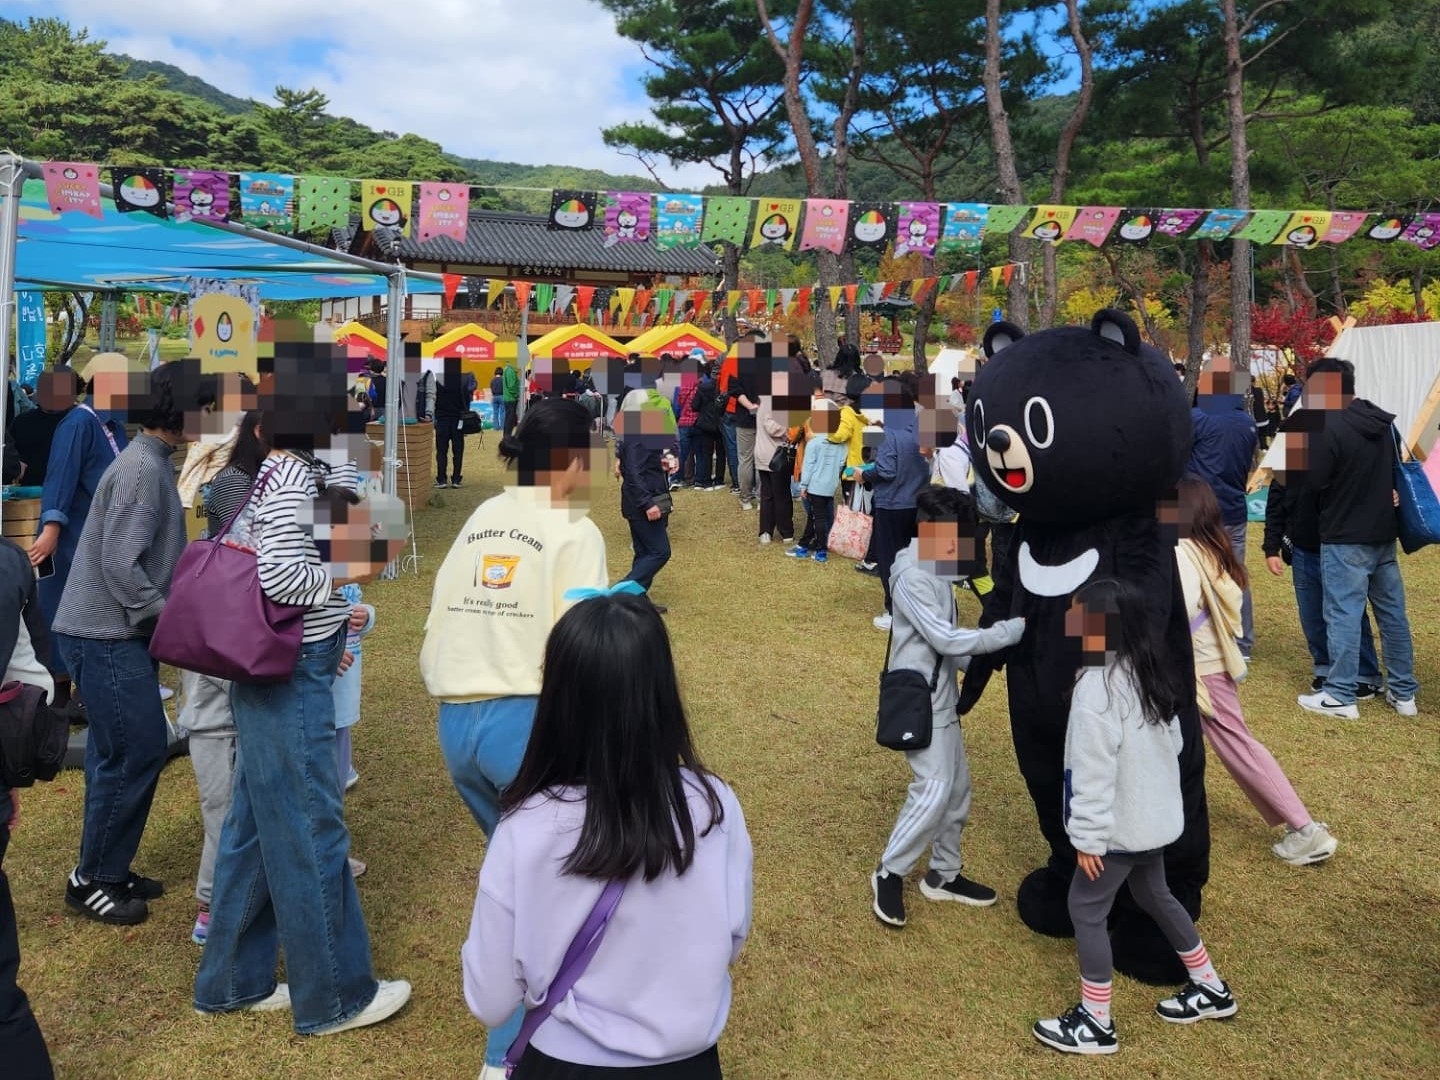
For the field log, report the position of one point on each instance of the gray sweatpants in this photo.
(1090, 903)
(745, 444)
(936, 805)
(205, 714)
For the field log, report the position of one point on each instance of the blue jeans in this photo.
(651, 542)
(1310, 603)
(1246, 641)
(124, 751)
(281, 876)
(483, 743)
(1351, 573)
(686, 445)
(732, 450)
(497, 414)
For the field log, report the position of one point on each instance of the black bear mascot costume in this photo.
(1084, 432)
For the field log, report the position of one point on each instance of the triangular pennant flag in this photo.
(1093, 224)
(573, 211)
(1305, 229)
(704, 300)
(522, 293)
(875, 293)
(72, 187)
(584, 297)
(754, 300)
(624, 299)
(323, 203)
(732, 300)
(1050, 223)
(544, 298)
(803, 300)
(1003, 219)
(920, 286)
(494, 291)
(1264, 226)
(772, 297)
(835, 291)
(139, 189)
(995, 272)
(787, 300)
(972, 278)
(887, 288)
(851, 293)
(1006, 273)
(682, 301)
(382, 202)
(564, 297)
(451, 285)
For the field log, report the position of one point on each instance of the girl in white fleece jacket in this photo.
(1122, 807)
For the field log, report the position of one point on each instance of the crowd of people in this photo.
(605, 833)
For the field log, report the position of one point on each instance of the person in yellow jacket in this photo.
(497, 595)
(1213, 579)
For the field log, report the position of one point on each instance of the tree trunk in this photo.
(1136, 294)
(730, 255)
(1010, 187)
(1050, 297)
(924, 319)
(1241, 275)
(1417, 286)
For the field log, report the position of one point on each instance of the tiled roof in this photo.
(507, 239)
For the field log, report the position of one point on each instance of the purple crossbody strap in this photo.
(577, 958)
(256, 489)
(1199, 620)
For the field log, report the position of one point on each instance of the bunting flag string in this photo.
(311, 204)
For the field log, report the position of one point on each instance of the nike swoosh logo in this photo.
(1053, 581)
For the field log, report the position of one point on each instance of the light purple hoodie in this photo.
(658, 988)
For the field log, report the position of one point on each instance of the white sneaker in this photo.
(1297, 849)
(166, 693)
(278, 1001)
(493, 1072)
(747, 506)
(881, 622)
(765, 539)
(1325, 705)
(1403, 706)
(390, 998)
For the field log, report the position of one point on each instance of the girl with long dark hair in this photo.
(1213, 579)
(1122, 807)
(612, 790)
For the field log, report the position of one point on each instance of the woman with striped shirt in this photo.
(281, 876)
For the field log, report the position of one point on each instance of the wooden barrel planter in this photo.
(415, 449)
(20, 520)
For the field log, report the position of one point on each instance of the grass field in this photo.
(1337, 967)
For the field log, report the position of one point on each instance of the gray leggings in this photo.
(1090, 903)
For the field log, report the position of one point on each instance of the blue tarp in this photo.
(138, 252)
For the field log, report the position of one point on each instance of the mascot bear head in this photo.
(1076, 425)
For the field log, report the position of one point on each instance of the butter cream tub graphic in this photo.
(497, 571)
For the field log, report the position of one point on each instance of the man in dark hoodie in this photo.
(1224, 449)
(1292, 537)
(1352, 468)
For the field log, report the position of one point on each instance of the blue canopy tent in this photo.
(138, 252)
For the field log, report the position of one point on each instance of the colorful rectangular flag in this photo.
(964, 227)
(1174, 222)
(73, 187)
(627, 217)
(323, 203)
(1004, 219)
(1388, 228)
(871, 225)
(444, 211)
(678, 220)
(1137, 225)
(727, 219)
(201, 195)
(387, 203)
(825, 223)
(1219, 224)
(1423, 231)
(139, 189)
(918, 229)
(1050, 223)
(776, 222)
(1093, 224)
(1343, 225)
(1305, 229)
(267, 200)
(1263, 226)
(573, 210)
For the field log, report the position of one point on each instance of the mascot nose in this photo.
(998, 440)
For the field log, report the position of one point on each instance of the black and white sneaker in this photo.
(1195, 1001)
(1077, 1032)
(1317, 684)
(146, 888)
(863, 567)
(1365, 691)
(889, 891)
(105, 902)
(960, 888)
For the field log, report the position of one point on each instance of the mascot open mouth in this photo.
(1014, 479)
(1012, 467)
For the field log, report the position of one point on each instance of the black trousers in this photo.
(705, 445)
(449, 437)
(537, 1066)
(893, 531)
(22, 1047)
(777, 509)
(512, 415)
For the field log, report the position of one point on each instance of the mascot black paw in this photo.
(1082, 431)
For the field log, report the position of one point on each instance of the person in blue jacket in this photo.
(899, 473)
(86, 441)
(1222, 456)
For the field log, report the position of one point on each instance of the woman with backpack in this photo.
(708, 405)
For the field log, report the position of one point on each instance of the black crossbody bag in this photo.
(904, 719)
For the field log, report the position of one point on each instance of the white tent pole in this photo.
(12, 184)
(394, 373)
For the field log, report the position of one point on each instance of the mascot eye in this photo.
(1039, 423)
(977, 419)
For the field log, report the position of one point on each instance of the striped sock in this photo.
(1095, 996)
(1197, 963)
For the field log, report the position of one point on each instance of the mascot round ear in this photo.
(1001, 335)
(1118, 327)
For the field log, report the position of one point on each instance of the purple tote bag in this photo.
(218, 621)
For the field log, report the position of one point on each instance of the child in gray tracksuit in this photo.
(923, 629)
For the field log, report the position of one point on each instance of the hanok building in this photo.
(518, 247)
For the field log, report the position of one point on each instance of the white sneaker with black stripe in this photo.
(107, 902)
(1195, 1001)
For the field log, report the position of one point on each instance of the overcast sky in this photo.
(530, 81)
